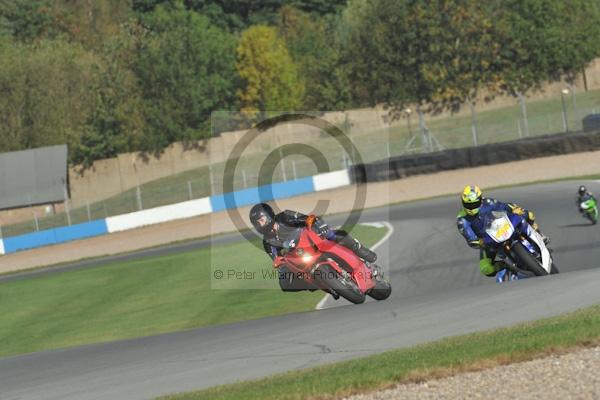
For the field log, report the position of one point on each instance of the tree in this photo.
(29, 20)
(185, 67)
(442, 53)
(546, 40)
(270, 77)
(117, 123)
(45, 98)
(314, 48)
(237, 15)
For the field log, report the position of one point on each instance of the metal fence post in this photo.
(67, 208)
(424, 139)
(87, 206)
(138, 193)
(37, 224)
(190, 190)
(211, 180)
(564, 110)
(294, 169)
(524, 112)
(473, 123)
(282, 165)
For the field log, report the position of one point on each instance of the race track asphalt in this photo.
(437, 292)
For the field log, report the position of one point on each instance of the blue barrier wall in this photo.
(54, 236)
(262, 193)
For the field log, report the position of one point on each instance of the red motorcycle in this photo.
(333, 268)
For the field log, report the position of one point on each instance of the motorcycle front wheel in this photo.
(347, 289)
(528, 261)
(381, 290)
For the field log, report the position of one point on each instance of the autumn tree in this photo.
(443, 53)
(45, 93)
(270, 76)
(313, 46)
(186, 69)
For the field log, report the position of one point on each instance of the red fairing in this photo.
(313, 251)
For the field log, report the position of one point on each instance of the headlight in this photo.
(299, 251)
(307, 258)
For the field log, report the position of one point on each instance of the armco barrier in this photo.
(264, 193)
(157, 215)
(172, 212)
(331, 180)
(496, 153)
(54, 236)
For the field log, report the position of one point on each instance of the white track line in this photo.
(374, 247)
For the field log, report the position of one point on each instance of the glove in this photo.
(289, 244)
(518, 210)
(321, 227)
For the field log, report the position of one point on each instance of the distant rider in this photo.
(583, 195)
(279, 231)
(470, 225)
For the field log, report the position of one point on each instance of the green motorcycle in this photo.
(589, 208)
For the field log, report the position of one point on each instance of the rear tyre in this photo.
(334, 281)
(527, 261)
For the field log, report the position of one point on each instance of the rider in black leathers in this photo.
(279, 230)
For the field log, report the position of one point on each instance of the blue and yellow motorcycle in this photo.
(520, 247)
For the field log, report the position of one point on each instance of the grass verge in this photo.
(147, 296)
(434, 360)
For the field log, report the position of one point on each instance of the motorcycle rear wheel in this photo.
(527, 260)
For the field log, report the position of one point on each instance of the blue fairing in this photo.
(517, 221)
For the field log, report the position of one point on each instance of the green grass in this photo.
(441, 358)
(545, 117)
(145, 297)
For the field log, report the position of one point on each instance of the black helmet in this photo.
(582, 190)
(262, 210)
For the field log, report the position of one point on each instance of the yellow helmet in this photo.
(471, 199)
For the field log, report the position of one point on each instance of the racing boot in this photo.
(357, 248)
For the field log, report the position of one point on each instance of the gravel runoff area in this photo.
(341, 200)
(570, 376)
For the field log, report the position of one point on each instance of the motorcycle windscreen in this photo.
(499, 227)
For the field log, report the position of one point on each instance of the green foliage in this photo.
(444, 52)
(313, 46)
(270, 75)
(28, 20)
(237, 15)
(92, 22)
(116, 124)
(185, 67)
(546, 40)
(45, 97)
